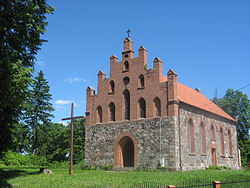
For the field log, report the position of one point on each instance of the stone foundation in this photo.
(153, 139)
(199, 160)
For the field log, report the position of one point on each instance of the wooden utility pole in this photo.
(72, 137)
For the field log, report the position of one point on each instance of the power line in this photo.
(235, 90)
(243, 87)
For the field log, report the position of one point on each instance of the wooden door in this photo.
(214, 160)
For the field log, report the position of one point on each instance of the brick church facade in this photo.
(141, 118)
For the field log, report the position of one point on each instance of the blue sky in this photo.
(207, 42)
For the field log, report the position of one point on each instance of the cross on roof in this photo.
(128, 31)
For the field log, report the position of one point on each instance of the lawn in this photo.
(29, 177)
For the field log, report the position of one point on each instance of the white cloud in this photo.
(72, 80)
(65, 123)
(40, 63)
(63, 102)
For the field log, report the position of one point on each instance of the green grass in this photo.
(29, 177)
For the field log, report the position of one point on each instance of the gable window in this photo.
(111, 111)
(191, 136)
(142, 108)
(126, 106)
(141, 81)
(126, 80)
(99, 114)
(111, 86)
(222, 147)
(157, 107)
(126, 66)
(203, 138)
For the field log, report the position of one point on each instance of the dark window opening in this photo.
(157, 107)
(111, 111)
(142, 108)
(141, 81)
(126, 80)
(126, 66)
(99, 114)
(126, 96)
(111, 87)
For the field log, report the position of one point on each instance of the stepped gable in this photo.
(194, 98)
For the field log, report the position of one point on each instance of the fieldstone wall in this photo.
(199, 160)
(155, 137)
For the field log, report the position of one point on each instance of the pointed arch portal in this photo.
(126, 151)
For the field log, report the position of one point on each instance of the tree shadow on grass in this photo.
(6, 174)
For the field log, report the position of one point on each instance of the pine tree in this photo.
(38, 113)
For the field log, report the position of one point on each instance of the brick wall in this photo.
(154, 86)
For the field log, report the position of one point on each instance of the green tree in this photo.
(20, 137)
(236, 104)
(22, 22)
(79, 140)
(55, 142)
(38, 112)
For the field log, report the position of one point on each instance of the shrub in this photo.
(2, 163)
(15, 159)
(88, 167)
(105, 167)
(37, 160)
(10, 158)
(79, 165)
(218, 168)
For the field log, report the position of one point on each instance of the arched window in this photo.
(111, 111)
(141, 81)
(142, 108)
(157, 107)
(230, 143)
(222, 147)
(111, 86)
(99, 114)
(191, 136)
(212, 133)
(126, 106)
(203, 138)
(126, 66)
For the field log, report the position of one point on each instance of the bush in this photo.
(14, 159)
(88, 167)
(105, 167)
(79, 165)
(10, 158)
(37, 160)
(2, 163)
(218, 168)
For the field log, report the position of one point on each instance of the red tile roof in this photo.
(194, 98)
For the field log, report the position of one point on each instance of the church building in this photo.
(141, 118)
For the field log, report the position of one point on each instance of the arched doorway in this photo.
(126, 151)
